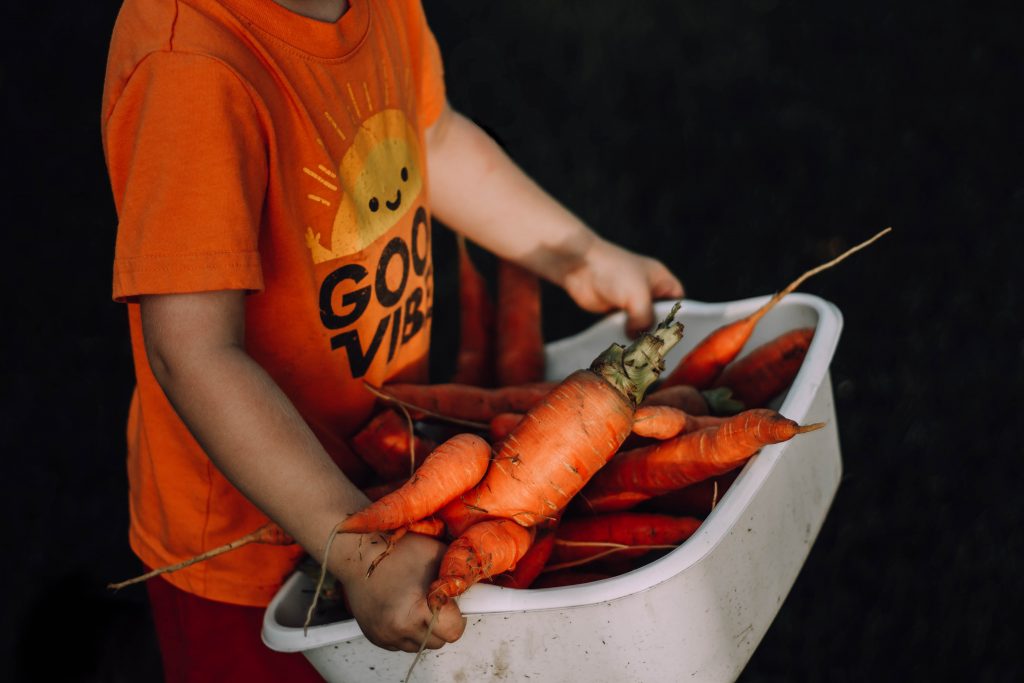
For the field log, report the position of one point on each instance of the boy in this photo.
(272, 162)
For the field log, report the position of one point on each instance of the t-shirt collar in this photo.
(322, 39)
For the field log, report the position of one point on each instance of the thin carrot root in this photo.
(612, 549)
(412, 439)
(791, 287)
(430, 526)
(420, 410)
(703, 364)
(320, 581)
(423, 646)
(390, 539)
(268, 534)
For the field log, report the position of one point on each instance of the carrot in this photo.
(450, 469)
(465, 402)
(668, 465)
(562, 441)
(695, 401)
(387, 444)
(519, 340)
(658, 422)
(705, 361)
(483, 550)
(474, 362)
(672, 423)
(428, 526)
(696, 499)
(501, 425)
(532, 563)
(268, 534)
(636, 533)
(768, 370)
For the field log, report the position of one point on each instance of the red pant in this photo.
(206, 641)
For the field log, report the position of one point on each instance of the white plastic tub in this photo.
(695, 614)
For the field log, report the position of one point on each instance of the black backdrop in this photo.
(741, 142)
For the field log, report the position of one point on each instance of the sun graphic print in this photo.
(380, 178)
(370, 251)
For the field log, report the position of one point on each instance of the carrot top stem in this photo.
(634, 368)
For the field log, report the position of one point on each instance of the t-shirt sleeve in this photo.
(430, 78)
(187, 158)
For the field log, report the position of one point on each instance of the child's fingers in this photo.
(637, 326)
(450, 623)
(665, 285)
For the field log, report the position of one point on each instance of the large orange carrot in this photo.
(588, 537)
(483, 550)
(451, 469)
(705, 361)
(561, 442)
(672, 464)
(519, 340)
(768, 370)
(388, 445)
(474, 362)
(465, 402)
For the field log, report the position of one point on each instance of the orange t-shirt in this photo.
(252, 148)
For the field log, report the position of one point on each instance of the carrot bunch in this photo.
(543, 483)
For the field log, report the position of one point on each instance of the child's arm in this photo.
(254, 435)
(477, 189)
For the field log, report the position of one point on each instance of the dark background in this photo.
(742, 143)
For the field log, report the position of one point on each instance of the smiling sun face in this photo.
(381, 177)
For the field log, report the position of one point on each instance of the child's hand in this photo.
(609, 277)
(391, 604)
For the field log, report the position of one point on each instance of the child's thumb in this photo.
(450, 623)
